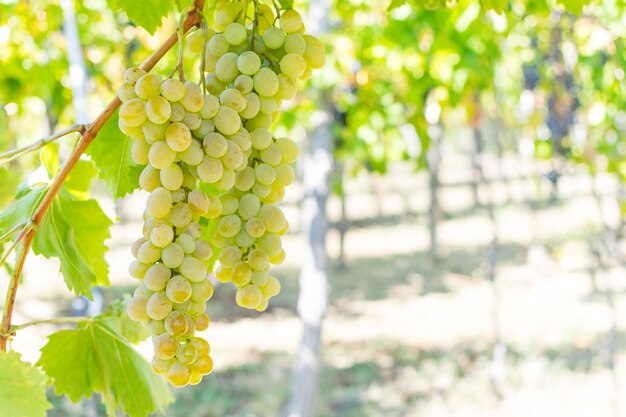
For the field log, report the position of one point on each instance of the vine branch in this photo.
(88, 134)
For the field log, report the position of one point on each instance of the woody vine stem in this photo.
(88, 134)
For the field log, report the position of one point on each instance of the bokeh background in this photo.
(472, 159)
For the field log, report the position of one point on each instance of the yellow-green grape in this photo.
(268, 105)
(150, 223)
(227, 181)
(273, 218)
(265, 82)
(159, 203)
(159, 306)
(227, 120)
(314, 54)
(176, 323)
(260, 278)
(243, 83)
(244, 179)
(215, 145)
(155, 327)
(173, 255)
(261, 120)
(229, 256)
(197, 308)
(262, 305)
(265, 174)
(133, 74)
(148, 253)
(178, 137)
(289, 150)
(133, 112)
(187, 353)
(293, 65)
(134, 132)
(276, 195)
(241, 274)
(160, 366)
(258, 260)
(253, 106)
(213, 85)
(210, 170)
(187, 243)
(134, 249)
(235, 34)
(178, 289)
(261, 138)
(154, 132)
(126, 91)
(271, 244)
(278, 259)
(261, 190)
(230, 203)
(195, 42)
(222, 242)
(161, 235)
(194, 230)
(206, 126)
(290, 21)
(229, 226)
(242, 139)
(192, 120)
(271, 288)
(284, 174)
(181, 215)
(217, 45)
(192, 100)
(287, 87)
(202, 346)
(249, 206)
(295, 44)
(201, 322)
(255, 227)
(249, 63)
(210, 107)
(193, 155)
(179, 195)
(183, 307)
(173, 89)
(156, 277)
(203, 365)
(223, 274)
(274, 38)
(232, 97)
(201, 291)
(209, 60)
(189, 177)
(198, 202)
(172, 177)
(178, 374)
(249, 297)
(136, 308)
(243, 239)
(148, 86)
(203, 250)
(165, 346)
(193, 269)
(178, 112)
(191, 327)
(139, 152)
(161, 155)
(233, 156)
(137, 269)
(215, 207)
(158, 110)
(272, 155)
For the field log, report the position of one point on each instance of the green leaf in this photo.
(9, 179)
(497, 6)
(97, 358)
(395, 4)
(78, 182)
(286, 4)
(111, 152)
(49, 157)
(74, 231)
(22, 388)
(574, 6)
(147, 14)
(20, 211)
(132, 331)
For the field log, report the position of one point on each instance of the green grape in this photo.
(235, 34)
(181, 215)
(159, 203)
(158, 110)
(276, 195)
(202, 291)
(203, 365)
(215, 145)
(248, 63)
(176, 323)
(229, 226)
(206, 126)
(278, 259)
(136, 308)
(136, 245)
(137, 269)
(156, 277)
(244, 240)
(273, 217)
(126, 91)
(223, 274)
(213, 85)
(244, 179)
(165, 346)
(178, 289)
(150, 223)
(187, 243)
(156, 327)
(274, 38)
(193, 269)
(241, 274)
(133, 112)
(173, 89)
(172, 177)
(191, 328)
(271, 244)
(194, 230)
(159, 306)
(249, 297)
(230, 203)
(192, 155)
(161, 155)
(210, 107)
(183, 307)
(272, 288)
(201, 322)
(133, 74)
(160, 366)
(209, 61)
(195, 42)
(178, 196)
(221, 242)
(229, 256)
(265, 174)
(255, 227)
(178, 112)
(227, 181)
(210, 170)
(289, 150)
(178, 374)
(203, 250)
(249, 206)
(258, 260)
(215, 208)
(233, 156)
(287, 87)
(218, 45)
(192, 100)
(262, 305)
(197, 308)
(227, 120)
(295, 44)
(244, 83)
(154, 132)
(253, 106)
(189, 178)
(314, 54)
(148, 253)
(134, 132)
(178, 137)
(265, 82)
(261, 190)
(226, 67)
(226, 14)
(292, 65)
(139, 152)
(242, 139)
(173, 255)
(290, 21)
(261, 120)
(259, 278)
(162, 235)
(199, 201)
(148, 86)
(192, 120)
(272, 155)
(261, 138)
(232, 97)
(202, 346)
(268, 105)
(284, 174)
(186, 353)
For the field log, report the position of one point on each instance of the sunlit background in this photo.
(475, 209)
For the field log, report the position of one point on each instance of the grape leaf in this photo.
(96, 358)
(22, 388)
(133, 332)
(574, 6)
(147, 14)
(78, 182)
(111, 152)
(49, 157)
(74, 231)
(9, 179)
(286, 4)
(20, 211)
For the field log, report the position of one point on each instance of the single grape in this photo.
(295, 44)
(249, 206)
(173, 89)
(133, 74)
(203, 250)
(290, 21)
(271, 288)
(244, 83)
(162, 235)
(136, 308)
(198, 201)
(227, 120)
(173, 255)
(273, 217)
(158, 110)
(178, 289)
(249, 297)
(235, 34)
(161, 155)
(148, 86)
(139, 152)
(215, 145)
(241, 274)
(210, 170)
(274, 38)
(159, 306)
(261, 138)
(176, 323)
(133, 112)
(159, 203)
(258, 260)
(156, 277)
(255, 227)
(193, 155)
(229, 256)
(178, 374)
(265, 82)
(232, 97)
(192, 100)
(201, 322)
(202, 291)
(187, 243)
(178, 137)
(193, 269)
(229, 226)
(148, 253)
(165, 347)
(181, 215)
(172, 177)
(249, 63)
(314, 54)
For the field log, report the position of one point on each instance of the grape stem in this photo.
(88, 134)
(58, 320)
(16, 153)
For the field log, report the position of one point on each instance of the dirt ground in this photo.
(407, 335)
